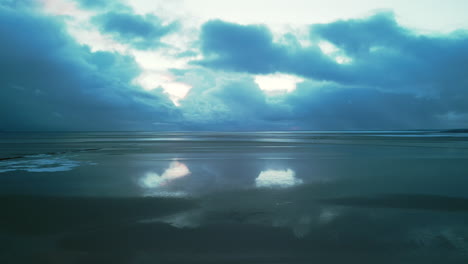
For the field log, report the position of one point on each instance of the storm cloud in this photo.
(251, 49)
(142, 32)
(383, 54)
(394, 77)
(49, 82)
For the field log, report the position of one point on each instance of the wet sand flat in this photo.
(263, 197)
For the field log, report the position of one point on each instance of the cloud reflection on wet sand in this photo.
(277, 179)
(154, 184)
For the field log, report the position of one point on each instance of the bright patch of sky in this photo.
(334, 52)
(277, 82)
(445, 15)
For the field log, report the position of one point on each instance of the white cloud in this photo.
(343, 59)
(65, 8)
(150, 80)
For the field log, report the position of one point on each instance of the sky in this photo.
(133, 65)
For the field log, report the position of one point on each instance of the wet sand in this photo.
(265, 197)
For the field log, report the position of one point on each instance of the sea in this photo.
(321, 197)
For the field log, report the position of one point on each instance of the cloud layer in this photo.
(394, 78)
(376, 75)
(383, 54)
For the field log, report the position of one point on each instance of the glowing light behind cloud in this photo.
(277, 82)
(334, 52)
(155, 73)
(155, 64)
(152, 79)
(277, 179)
(327, 47)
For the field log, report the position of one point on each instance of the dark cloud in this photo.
(396, 78)
(142, 32)
(387, 55)
(49, 82)
(352, 108)
(251, 49)
(383, 53)
(357, 36)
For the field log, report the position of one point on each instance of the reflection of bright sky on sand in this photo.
(153, 180)
(277, 179)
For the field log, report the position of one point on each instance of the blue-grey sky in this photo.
(233, 65)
